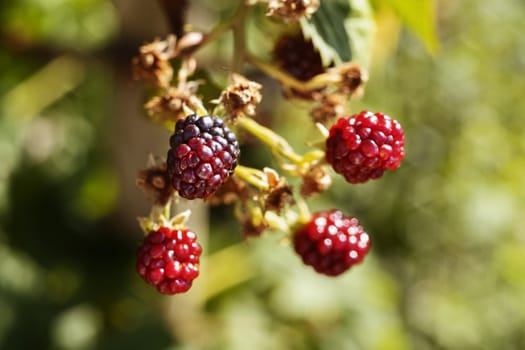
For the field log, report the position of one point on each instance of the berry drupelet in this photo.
(364, 146)
(331, 243)
(168, 259)
(203, 154)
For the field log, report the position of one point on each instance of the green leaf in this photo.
(327, 31)
(341, 30)
(419, 16)
(360, 26)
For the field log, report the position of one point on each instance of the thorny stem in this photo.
(276, 142)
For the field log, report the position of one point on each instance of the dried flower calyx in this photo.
(331, 106)
(152, 63)
(352, 79)
(315, 181)
(170, 106)
(154, 181)
(241, 97)
(292, 9)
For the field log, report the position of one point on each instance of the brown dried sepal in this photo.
(155, 182)
(152, 64)
(292, 9)
(315, 181)
(352, 79)
(241, 97)
(252, 226)
(234, 190)
(189, 43)
(170, 105)
(279, 194)
(331, 106)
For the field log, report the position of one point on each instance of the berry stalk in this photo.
(317, 82)
(253, 176)
(276, 142)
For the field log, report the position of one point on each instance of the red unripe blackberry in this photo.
(202, 156)
(168, 259)
(331, 243)
(365, 145)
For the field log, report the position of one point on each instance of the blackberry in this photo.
(331, 243)
(168, 259)
(365, 145)
(298, 57)
(202, 156)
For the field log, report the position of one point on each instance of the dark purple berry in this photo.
(203, 154)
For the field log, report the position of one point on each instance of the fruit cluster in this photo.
(203, 160)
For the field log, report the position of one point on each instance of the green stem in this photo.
(166, 211)
(253, 176)
(276, 142)
(317, 82)
(275, 73)
(218, 31)
(225, 26)
(304, 211)
(239, 38)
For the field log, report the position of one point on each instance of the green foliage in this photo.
(341, 30)
(327, 31)
(420, 17)
(78, 24)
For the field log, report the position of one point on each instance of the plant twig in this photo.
(175, 12)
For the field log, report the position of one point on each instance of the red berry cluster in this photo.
(364, 146)
(203, 154)
(331, 243)
(169, 259)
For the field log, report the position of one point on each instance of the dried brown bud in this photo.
(155, 182)
(152, 63)
(292, 9)
(279, 194)
(170, 105)
(233, 190)
(315, 181)
(353, 78)
(279, 197)
(331, 107)
(253, 228)
(241, 97)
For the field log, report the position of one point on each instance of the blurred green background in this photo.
(447, 266)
